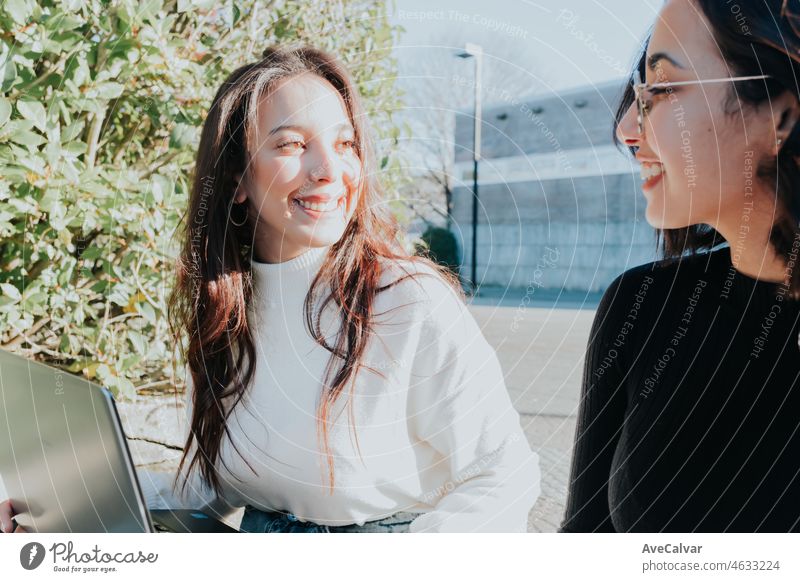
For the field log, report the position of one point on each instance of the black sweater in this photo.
(690, 411)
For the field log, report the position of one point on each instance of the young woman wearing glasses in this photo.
(689, 414)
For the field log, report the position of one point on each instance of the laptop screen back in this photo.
(63, 458)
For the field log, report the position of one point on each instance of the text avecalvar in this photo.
(671, 549)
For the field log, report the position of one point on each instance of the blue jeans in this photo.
(258, 521)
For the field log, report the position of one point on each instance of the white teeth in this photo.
(648, 171)
(319, 207)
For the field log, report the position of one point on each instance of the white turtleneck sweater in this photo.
(436, 435)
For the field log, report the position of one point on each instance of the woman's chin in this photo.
(658, 219)
(322, 237)
(656, 225)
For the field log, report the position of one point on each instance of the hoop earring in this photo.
(230, 217)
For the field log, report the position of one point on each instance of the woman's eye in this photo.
(658, 90)
(349, 144)
(290, 145)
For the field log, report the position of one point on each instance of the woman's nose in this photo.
(628, 127)
(325, 166)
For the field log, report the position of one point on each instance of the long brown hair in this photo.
(214, 283)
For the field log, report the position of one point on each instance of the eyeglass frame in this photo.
(639, 87)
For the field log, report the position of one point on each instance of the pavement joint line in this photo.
(546, 415)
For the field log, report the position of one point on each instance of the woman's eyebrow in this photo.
(302, 129)
(275, 130)
(653, 60)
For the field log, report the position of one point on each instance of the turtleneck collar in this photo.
(273, 281)
(745, 289)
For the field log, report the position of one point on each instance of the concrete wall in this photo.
(595, 226)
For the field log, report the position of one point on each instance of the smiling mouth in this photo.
(651, 174)
(320, 206)
(316, 209)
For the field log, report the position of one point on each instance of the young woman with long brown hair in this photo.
(335, 382)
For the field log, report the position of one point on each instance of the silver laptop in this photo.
(65, 461)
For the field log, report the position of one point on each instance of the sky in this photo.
(532, 48)
(552, 44)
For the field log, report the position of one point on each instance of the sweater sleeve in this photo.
(461, 408)
(157, 486)
(600, 418)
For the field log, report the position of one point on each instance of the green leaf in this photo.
(30, 162)
(138, 341)
(74, 148)
(27, 138)
(51, 198)
(13, 126)
(57, 217)
(6, 227)
(108, 90)
(70, 171)
(53, 152)
(72, 5)
(10, 291)
(91, 254)
(5, 111)
(8, 72)
(34, 112)
(125, 387)
(103, 372)
(19, 10)
(147, 311)
(162, 188)
(78, 314)
(78, 365)
(148, 10)
(203, 4)
(129, 362)
(182, 135)
(36, 303)
(65, 237)
(72, 131)
(120, 294)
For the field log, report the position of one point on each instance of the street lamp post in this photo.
(475, 51)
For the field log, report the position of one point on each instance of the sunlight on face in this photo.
(305, 170)
(697, 159)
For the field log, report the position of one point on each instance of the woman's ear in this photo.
(786, 114)
(241, 192)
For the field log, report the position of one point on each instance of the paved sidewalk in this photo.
(536, 298)
(541, 351)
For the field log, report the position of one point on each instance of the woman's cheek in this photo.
(353, 170)
(281, 175)
(352, 178)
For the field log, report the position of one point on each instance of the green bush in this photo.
(440, 245)
(100, 108)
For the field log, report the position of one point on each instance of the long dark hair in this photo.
(756, 38)
(214, 280)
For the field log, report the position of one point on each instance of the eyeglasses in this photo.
(644, 92)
